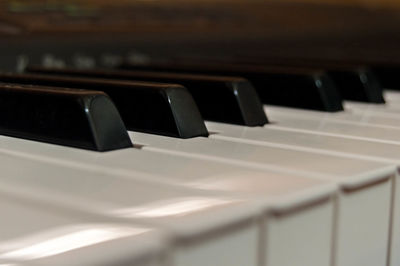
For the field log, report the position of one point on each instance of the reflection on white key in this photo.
(174, 207)
(36, 234)
(64, 239)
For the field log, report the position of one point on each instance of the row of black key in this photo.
(89, 120)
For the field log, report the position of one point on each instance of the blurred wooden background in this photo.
(302, 28)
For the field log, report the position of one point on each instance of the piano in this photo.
(224, 133)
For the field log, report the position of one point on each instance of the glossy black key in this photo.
(163, 109)
(78, 118)
(292, 87)
(359, 85)
(355, 82)
(388, 75)
(222, 99)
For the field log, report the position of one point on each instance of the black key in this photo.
(222, 99)
(78, 118)
(379, 73)
(359, 84)
(388, 75)
(163, 109)
(292, 87)
(355, 82)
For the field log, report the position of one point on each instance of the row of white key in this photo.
(357, 179)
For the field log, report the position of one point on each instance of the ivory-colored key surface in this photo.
(392, 97)
(348, 117)
(377, 133)
(359, 181)
(378, 108)
(352, 174)
(290, 206)
(328, 135)
(322, 144)
(39, 234)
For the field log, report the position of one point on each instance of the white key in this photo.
(292, 206)
(35, 234)
(347, 117)
(392, 97)
(379, 109)
(308, 141)
(371, 132)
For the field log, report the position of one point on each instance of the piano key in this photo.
(357, 85)
(393, 99)
(290, 87)
(366, 131)
(290, 205)
(223, 99)
(384, 70)
(276, 136)
(390, 110)
(392, 96)
(350, 117)
(38, 234)
(388, 75)
(147, 107)
(83, 119)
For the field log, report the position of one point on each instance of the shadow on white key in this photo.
(41, 235)
(293, 208)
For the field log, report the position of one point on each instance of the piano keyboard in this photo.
(314, 186)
